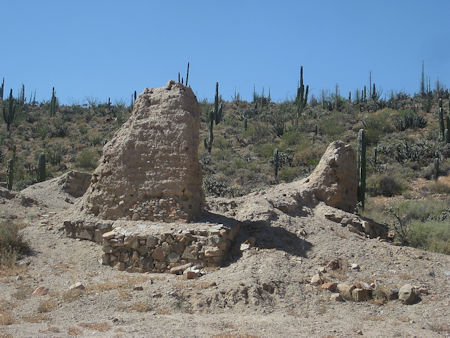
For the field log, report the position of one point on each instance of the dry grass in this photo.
(47, 305)
(161, 311)
(404, 276)
(225, 335)
(51, 329)
(74, 331)
(374, 318)
(36, 318)
(136, 307)
(23, 292)
(72, 295)
(128, 282)
(442, 328)
(6, 317)
(100, 327)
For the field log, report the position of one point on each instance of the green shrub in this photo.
(385, 184)
(406, 119)
(430, 235)
(87, 159)
(288, 174)
(377, 125)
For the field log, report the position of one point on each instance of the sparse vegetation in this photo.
(12, 244)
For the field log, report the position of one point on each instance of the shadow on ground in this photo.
(261, 235)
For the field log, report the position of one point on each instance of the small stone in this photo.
(189, 274)
(178, 270)
(213, 252)
(360, 295)
(355, 267)
(244, 246)
(407, 294)
(40, 291)
(336, 297)
(345, 290)
(334, 264)
(322, 269)
(77, 285)
(330, 286)
(108, 235)
(392, 294)
(316, 280)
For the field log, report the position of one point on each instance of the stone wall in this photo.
(159, 247)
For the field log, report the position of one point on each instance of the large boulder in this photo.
(334, 181)
(150, 169)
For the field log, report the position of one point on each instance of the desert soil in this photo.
(263, 292)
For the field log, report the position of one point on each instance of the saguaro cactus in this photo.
(441, 121)
(302, 97)
(361, 163)
(10, 174)
(215, 116)
(446, 133)
(53, 103)
(2, 88)
(436, 165)
(276, 162)
(41, 168)
(9, 113)
(187, 74)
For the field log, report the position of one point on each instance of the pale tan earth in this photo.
(264, 291)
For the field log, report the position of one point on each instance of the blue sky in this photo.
(109, 48)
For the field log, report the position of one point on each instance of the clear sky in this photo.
(109, 48)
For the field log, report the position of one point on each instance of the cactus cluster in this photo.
(215, 116)
(361, 165)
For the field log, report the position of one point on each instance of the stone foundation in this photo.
(156, 247)
(89, 230)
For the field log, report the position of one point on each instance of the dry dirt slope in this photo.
(263, 291)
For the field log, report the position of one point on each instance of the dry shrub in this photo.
(74, 331)
(72, 295)
(100, 327)
(12, 244)
(36, 318)
(7, 318)
(161, 311)
(47, 305)
(137, 307)
(23, 292)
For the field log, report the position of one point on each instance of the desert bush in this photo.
(331, 126)
(288, 174)
(406, 119)
(430, 235)
(87, 159)
(385, 184)
(218, 187)
(377, 125)
(12, 244)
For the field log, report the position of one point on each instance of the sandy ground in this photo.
(263, 292)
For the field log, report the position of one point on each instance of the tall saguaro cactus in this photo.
(215, 116)
(53, 103)
(9, 112)
(2, 88)
(187, 74)
(361, 163)
(441, 121)
(276, 162)
(302, 97)
(41, 168)
(436, 166)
